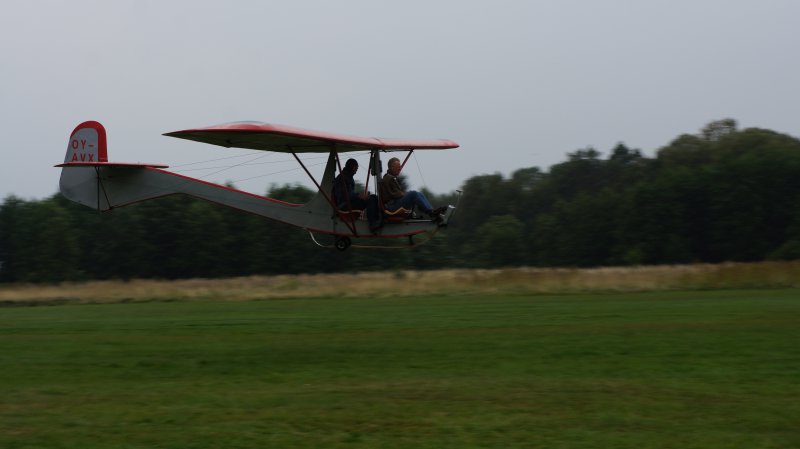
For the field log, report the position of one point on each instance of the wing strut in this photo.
(102, 186)
(406, 159)
(328, 198)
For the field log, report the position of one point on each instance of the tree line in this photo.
(722, 194)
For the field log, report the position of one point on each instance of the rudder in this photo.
(87, 143)
(88, 178)
(79, 175)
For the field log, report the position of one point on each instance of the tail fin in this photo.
(87, 144)
(86, 169)
(80, 176)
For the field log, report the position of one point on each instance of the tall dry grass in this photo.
(413, 283)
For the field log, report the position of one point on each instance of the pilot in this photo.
(394, 197)
(346, 197)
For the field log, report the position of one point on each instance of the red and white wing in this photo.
(280, 138)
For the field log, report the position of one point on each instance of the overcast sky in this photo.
(515, 83)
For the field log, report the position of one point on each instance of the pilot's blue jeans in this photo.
(409, 200)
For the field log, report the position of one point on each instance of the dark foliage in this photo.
(720, 195)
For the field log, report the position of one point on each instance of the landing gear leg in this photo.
(342, 243)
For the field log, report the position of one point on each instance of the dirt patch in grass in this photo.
(414, 283)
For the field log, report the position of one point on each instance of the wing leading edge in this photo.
(287, 139)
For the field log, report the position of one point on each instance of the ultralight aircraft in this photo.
(88, 178)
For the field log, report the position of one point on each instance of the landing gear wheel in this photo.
(342, 243)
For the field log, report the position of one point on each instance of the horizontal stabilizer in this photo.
(109, 164)
(87, 161)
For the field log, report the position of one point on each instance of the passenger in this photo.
(346, 197)
(394, 197)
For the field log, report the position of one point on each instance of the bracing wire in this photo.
(419, 169)
(248, 164)
(236, 165)
(211, 160)
(251, 162)
(288, 170)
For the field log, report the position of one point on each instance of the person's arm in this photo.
(393, 188)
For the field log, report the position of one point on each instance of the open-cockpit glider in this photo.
(87, 177)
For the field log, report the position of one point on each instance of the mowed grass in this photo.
(712, 369)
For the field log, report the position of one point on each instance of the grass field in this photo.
(703, 369)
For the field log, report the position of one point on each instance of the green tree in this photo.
(46, 245)
(498, 242)
(10, 213)
(721, 194)
(718, 129)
